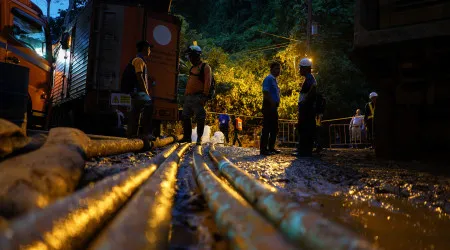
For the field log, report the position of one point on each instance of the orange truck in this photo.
(24, 42)
(93, 53)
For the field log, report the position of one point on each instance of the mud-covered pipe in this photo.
(32, 132)
(158, 143)
(106, 145)
(235, 218)
(98, 148)
(69, 223)
(144, 223)
(305, 228)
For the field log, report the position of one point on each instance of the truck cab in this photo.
(24, 41)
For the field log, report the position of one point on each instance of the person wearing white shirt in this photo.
(355, 127)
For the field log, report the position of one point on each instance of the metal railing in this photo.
(287, 131)
(341, 135)
(334, 132)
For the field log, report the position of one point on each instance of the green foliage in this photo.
(56, 24)
(235, 37)
(232, 32)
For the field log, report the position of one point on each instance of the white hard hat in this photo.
(305, 62)
(373, 94)
(195, 49)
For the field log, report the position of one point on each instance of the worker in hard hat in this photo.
(369, 117)
(196, 94)
(306, 110)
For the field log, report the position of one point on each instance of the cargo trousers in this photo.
(193, 105)
(141, 103)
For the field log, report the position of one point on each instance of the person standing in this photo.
(369, 117)
(196, 94)
(306, 110)
(355, 127)
(135, 82)
(237, 129)
(224, 125)
(271, 101)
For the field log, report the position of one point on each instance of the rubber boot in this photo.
(187, 130)
(200, 128)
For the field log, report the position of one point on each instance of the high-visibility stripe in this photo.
(318, 122)
(372, 111)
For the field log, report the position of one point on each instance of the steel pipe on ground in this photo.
(144, 223)
(245, 228)
(69, 223)
(93, 137)
(304, 228)
(100, 146)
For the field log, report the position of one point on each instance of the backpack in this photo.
(129, 80)
(320, 103)
(238, 124)
(201, 75)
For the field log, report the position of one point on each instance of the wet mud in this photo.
(193, 224)
(395, 205)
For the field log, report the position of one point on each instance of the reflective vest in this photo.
(318, 121)
(372, 111)
(238, 124)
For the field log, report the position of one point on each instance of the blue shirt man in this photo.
(224, 120)
(271, 101)
(270, 85)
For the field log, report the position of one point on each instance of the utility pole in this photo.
(308, 28)
(48, 10)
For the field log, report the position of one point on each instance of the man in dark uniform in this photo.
(369, 117)
(306, 110)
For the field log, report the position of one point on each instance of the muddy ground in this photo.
(396, 205)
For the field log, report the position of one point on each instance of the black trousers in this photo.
(225, 130)
(236, 138)
(270, 127)
(370, 132)
(317, 139)
(306, 129)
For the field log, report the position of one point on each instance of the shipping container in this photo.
(95, 49)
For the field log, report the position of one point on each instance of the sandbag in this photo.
(12, 137)
(36, 179)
